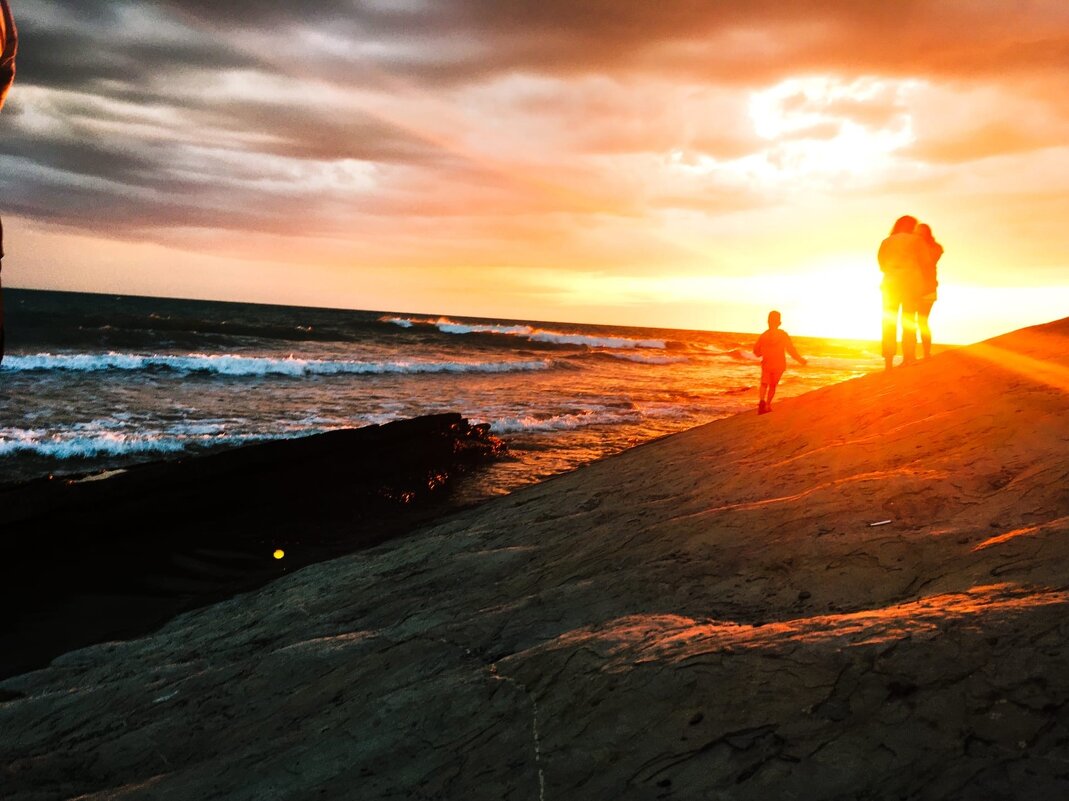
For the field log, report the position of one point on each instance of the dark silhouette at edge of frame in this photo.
(908, 259)
(773, 346)
(9, 45)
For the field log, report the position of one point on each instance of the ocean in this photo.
(93, 382)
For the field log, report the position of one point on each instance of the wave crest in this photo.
(234, 365)
(643, 359)
(528, 332)
(93, 445)
(562, 422)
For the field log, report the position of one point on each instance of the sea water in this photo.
(93, 382)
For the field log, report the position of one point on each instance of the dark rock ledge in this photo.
(109, 556)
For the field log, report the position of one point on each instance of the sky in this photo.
(680, 164)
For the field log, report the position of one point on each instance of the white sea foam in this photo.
(86, 445)
(742, 355)
(643, 359)
(102, 438)
(562, 422)
(99, 439)
(530, 333)
(234, 365)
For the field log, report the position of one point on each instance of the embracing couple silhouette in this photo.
(908, 259)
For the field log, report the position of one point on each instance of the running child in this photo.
(772, 346)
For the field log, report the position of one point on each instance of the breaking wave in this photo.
(643, 359)
(91, 445)
(530, 333)
(740, 355)
(233, 365)
(561, 422)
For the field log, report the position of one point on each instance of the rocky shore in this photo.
(116, 554)
(861, 595)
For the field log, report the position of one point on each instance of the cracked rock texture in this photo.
(707, 616)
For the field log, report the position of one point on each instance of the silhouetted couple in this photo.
(908, 259)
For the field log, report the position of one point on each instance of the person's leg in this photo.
(890, 325)
(909, 330)
(764, 390)
(773, 382)
(924, 309)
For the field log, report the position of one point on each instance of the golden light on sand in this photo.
(1026, 531)
(1040, 371)
(279, 553)
(630, 640)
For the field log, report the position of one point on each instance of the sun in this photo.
(837, 298)
(841, 302)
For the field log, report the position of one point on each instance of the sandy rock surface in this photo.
(711, 615)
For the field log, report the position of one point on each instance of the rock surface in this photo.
(117, 554)
(711, 615)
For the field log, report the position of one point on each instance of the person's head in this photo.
(905, 224)
(924, 231)
(774, 319)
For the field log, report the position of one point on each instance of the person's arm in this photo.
(758, 345)
(793, 351)
(882, 255)
(9, 46)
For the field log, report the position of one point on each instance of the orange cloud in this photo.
(611, 142)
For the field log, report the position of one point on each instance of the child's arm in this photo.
(757, 345)
(793, 351)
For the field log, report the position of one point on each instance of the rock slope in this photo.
(711, 615)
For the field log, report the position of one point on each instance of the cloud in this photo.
(962, 123)
(361, 119)
(103, 45)
(725, 42)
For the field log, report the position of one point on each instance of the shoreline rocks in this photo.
(116, 554)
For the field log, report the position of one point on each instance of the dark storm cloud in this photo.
(77, 45)
(78, 61)
(725, 41)
(84, 157)
(244, 13)
(318, 133)
(470, 39)
(103, 119)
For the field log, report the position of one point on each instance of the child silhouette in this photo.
(772, 346)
